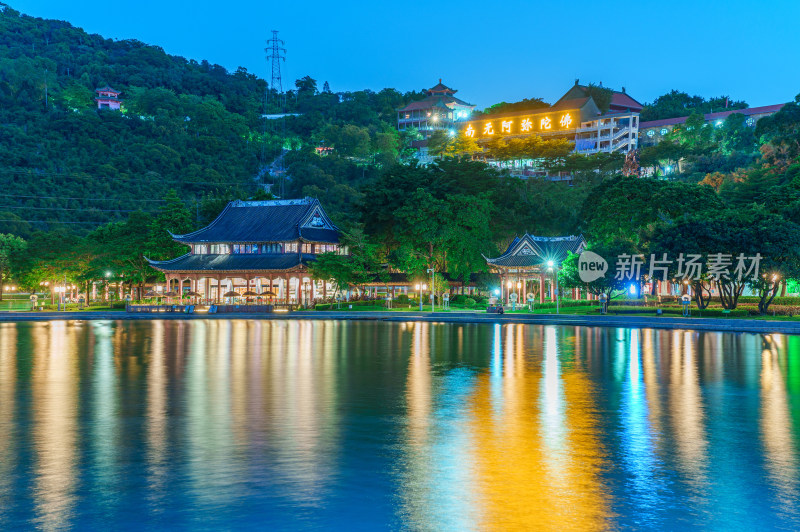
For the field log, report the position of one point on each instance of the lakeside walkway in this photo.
(639, 322)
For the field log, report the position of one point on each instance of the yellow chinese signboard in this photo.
(552, 122)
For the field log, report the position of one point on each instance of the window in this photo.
(272, 248)
(200, 249)
(220, 249)
(308, 248)
(290, 247)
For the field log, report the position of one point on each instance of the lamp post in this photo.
(433, 291)
(550, 266)
(420, 288)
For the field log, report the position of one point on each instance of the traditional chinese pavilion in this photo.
(108, 98)
(258, 247)
(526, 260)
(440, 109)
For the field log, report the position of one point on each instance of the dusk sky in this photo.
(489, 51)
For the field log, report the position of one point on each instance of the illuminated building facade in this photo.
(575, 117)
(654, 131)
(256, 246)
(439, 110)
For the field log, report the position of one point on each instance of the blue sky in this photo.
(490, 51)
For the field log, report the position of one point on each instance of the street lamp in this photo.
(60, 290)
(433, 291)
(420, 288)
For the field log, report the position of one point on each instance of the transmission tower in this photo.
(275, 54)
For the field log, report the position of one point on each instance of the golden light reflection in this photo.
(8, 390)
(54, 432)
(157, 442)
(524, 476)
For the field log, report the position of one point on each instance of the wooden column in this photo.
(541, 288)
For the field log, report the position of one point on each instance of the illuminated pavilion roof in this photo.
(529, 251)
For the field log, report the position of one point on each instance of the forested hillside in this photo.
(185, 125)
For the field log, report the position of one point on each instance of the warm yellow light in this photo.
(546, 123)
(417, 286)
(488, 129)
(508, 284)
(424, 286)
(505, 127)
(470, 132)
(526, 125)
(566, 120)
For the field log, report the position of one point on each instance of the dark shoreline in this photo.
(639, 322)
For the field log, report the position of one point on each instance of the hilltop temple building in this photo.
(528, 259)
(108, 98)
(440, 109)
(256, 247)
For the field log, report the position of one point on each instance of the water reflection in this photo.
(8, 391)
(55, 424)
(219, 424)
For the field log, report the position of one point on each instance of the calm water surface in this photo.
(368, 426)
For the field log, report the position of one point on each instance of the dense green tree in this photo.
(676, 103)
(11, 246)
(629, 207)
(615, 282)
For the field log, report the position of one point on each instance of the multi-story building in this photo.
(440, 109)
(654, 131)
(575, 117)
(108, 98)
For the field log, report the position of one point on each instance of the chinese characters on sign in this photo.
(690, 266)
(560, 121)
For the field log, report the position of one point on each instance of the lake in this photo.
(230, 424)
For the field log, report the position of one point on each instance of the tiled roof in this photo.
(623, 101)
(529, 251)
(619, 100)
(267, 221)
(440, 87)
(437, 100)
(575, 103)
(232, 263)
(766, 109)
(107, 89)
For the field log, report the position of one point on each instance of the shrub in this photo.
(469, 302)
(458, 299)
(402, 299)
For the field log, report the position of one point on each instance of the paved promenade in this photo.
(700, 324)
